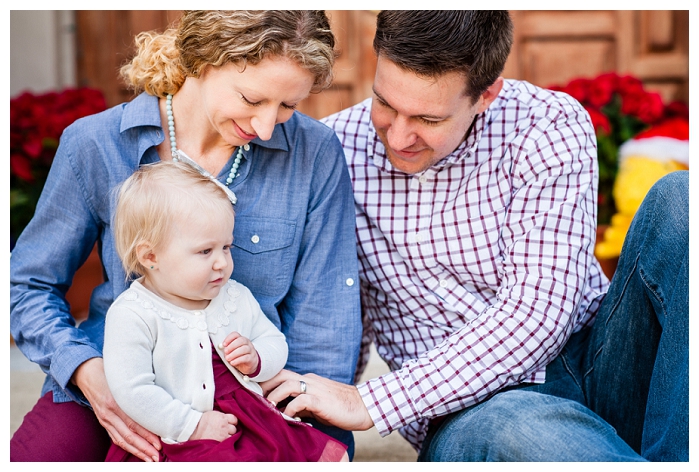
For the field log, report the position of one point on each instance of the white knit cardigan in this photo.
(157, 356)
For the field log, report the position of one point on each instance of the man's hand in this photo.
(215, 425)
(124, 431)
(327, 401)
(240, 353)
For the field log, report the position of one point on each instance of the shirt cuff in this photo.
(388, 402)
(67, 359)
(259, 368)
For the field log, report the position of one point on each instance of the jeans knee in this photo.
(502, 428)
(521, 426)
(671, 197)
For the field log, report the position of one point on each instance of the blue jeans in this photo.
(619, 391)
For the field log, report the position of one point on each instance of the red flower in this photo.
(600, 90)
(577, 88)
(599, 121)
(677, 109)
(628, 84)
(646, 106)
(36, 125)
(21, 167)
(32, 147)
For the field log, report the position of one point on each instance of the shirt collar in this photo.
(141, 111)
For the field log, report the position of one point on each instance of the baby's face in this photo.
(195, 261)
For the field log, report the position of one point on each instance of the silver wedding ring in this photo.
(303, 386)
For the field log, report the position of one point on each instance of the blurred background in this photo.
(630, 69)
(55, 49)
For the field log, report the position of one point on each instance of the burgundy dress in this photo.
(263, 435)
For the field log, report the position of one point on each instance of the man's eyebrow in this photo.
(385, 103)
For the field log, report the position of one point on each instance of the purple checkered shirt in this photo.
(475, 272)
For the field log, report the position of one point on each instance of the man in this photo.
(476, 215)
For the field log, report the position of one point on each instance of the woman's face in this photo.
(244, 105)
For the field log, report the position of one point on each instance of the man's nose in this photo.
(400, 134)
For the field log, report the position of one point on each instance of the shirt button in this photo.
(422, 179)
(246, 378)
(246, 147)
(418, 237)
(443, 283)
(349, 282)
(255, 239)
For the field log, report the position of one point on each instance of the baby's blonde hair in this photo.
(218, 37)
(152, 199)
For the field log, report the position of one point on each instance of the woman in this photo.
(227, 83)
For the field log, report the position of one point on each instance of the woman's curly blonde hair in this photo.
(215, 37)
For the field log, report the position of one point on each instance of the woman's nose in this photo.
(263, 123)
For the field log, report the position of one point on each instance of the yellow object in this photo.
(636, 176)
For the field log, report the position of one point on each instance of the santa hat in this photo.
(666, 141)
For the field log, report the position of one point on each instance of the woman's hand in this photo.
(327, 401)
(240, 353)
(125, 432)
(215, 425)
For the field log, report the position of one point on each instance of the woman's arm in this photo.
(322, 309)
(56, 242)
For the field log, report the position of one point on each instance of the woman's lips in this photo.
(242, 133)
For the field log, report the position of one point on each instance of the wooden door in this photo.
(552, 47)
(105, 43)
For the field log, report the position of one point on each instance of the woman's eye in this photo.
(248, 102)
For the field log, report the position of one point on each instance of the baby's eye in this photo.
(206, 251)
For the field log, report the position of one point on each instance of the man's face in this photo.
(420, 120)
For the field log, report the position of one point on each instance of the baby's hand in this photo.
(240, 353)
(215, 425)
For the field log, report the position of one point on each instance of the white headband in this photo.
(185, 158)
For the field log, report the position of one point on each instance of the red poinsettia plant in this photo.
(620, 108)
(36, 124)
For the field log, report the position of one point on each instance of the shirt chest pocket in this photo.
(472, 241)
(263, 255)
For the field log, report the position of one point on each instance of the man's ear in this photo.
(146, 255)
(490, 95)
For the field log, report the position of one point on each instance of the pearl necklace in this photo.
(173, 143)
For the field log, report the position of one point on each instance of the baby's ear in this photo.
(146, 255)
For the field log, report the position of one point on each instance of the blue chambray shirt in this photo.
(294, 242)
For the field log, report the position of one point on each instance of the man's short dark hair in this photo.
(434, 42)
